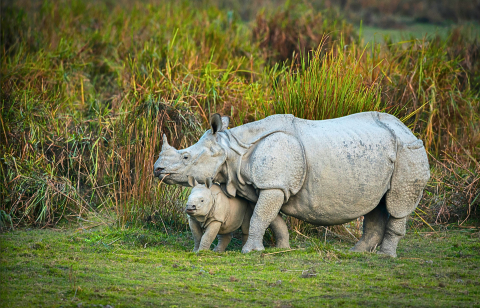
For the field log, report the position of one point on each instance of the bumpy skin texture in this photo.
(324, 172)
(211, 213)
(170, 169)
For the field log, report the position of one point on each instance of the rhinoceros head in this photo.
(201, 199)
(201, 160)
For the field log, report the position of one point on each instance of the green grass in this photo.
(66, 268)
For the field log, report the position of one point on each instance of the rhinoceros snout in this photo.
(190, 208)
(157, 171)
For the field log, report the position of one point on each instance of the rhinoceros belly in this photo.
(350, 161)
(237, 209)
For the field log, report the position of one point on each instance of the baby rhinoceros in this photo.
(211, 212)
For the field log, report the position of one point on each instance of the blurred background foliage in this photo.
(89, 87)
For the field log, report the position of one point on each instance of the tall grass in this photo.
(88, 89)
(327, 86)
(434, 76)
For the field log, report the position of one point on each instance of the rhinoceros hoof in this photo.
(387, 253)
(358, 249)
(251, 246)
(362, 246)
(218, 249)
(284, 245)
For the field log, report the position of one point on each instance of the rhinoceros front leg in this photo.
(223, 241)
(246, 225)
(279, 229)
(373, 229)
(393, 234)
(209, 235)
(196, 232)
(268, 205)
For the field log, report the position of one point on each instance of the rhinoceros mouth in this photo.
(189, 211)
(164, 175)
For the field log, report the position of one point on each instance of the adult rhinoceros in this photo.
(323, 172)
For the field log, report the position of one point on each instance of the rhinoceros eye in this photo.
(186, 156)
(202, 200)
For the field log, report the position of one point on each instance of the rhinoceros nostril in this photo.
(157, 171)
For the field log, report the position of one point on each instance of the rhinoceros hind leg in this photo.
(223, 241)
(395, 230)
(373, 229)
(268, 205)
(246, 225)
(280, 230)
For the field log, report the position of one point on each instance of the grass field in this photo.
(71, 268)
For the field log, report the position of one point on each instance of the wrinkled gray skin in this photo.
(324, 172)
(211, 212)
(170, 167)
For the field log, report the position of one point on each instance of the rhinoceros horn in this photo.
(165, 145)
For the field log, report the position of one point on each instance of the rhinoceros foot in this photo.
(218, 249)
(283, 244)
(366, 244)
(395, 230)
(280, 230)
(387, 253)
(358, 249)
(252, 245)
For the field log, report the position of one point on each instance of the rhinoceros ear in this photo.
(219, 123)
(191, 181)
(209, 182)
